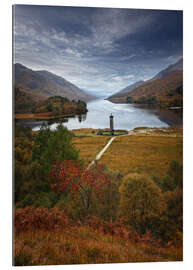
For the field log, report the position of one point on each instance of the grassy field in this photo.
(147, 154)
(88, 143)
(83, 245)
(146, 150)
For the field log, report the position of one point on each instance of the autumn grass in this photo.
(145, 154)
(89, 144)
(82, 245)
(49, 237)
(146, 150)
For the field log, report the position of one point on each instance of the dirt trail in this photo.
(99, 155)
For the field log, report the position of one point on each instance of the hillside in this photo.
(26, 101)
(47, 84)
(176, 66)
(74, 243)
(164, 89)
(167, 91)
(120, 96)
(27, 106)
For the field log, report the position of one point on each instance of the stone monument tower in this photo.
(111, 124)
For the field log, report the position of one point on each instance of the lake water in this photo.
(126, 116)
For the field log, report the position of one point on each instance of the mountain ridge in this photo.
(164, 88)
(127, 89)
(173, 67)
(47, 84)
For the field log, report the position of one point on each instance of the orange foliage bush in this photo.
(30, 218)
(120, 229)
(33, 219)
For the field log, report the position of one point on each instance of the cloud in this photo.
(97, 48)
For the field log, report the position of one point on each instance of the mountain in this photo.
(174, 67)
(25, 101)
(165, 89)
(121, 94)
(46, 84)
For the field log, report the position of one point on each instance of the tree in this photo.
(106, 206)
(174, 201)
(129, 99)
(50, 146)
(141, 201)
(173, 178)
(170, 226)
(49, 107)
(22, 154)
(70, 176)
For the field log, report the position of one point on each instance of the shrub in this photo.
(23, 259)
(28, 200)
(176, 172)
(43, 200)
(174, 201)
(30, 218)
(173, 178)
(141, 202)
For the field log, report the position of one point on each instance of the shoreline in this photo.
(41, 116)
(140, 129)
(153, 105)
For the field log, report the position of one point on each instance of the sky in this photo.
(101, 50)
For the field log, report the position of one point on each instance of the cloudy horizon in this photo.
(97, 49)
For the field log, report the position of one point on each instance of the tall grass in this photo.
(37, 243)
(89, 146)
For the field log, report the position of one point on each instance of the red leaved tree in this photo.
(71, 176)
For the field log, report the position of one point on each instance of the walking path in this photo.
(99, 155)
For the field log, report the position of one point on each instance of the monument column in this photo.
(111, 124)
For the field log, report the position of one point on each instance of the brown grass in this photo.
(89, 146)
(48, 237)
(143, 153)
(82, 245)
(147, 150)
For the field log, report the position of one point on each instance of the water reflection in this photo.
(173, 116)
(82, 117)
(126, 116)
(52, 121)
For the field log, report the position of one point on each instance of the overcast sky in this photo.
(97, 49)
